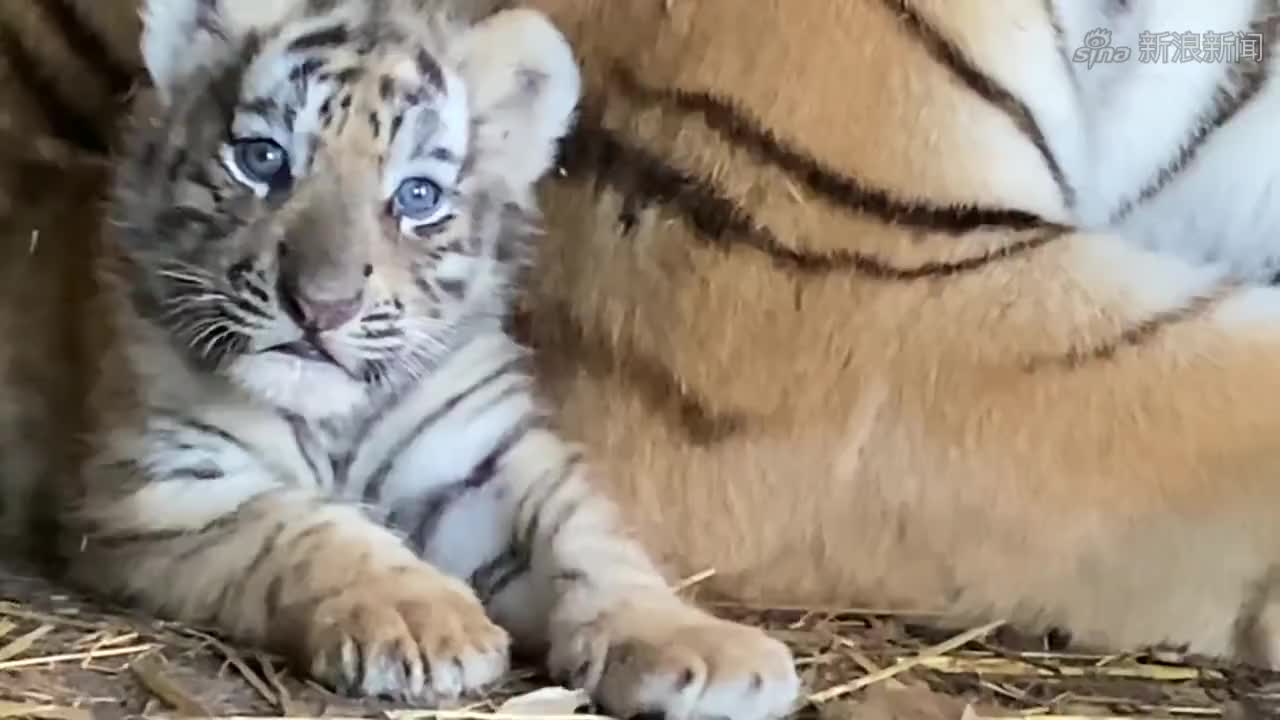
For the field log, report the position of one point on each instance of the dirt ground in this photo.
(64, 657)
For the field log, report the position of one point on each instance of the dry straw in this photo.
(64, 659)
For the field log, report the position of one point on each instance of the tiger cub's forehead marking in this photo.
(337, 80)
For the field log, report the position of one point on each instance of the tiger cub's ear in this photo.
(523, 84)
(181, 38)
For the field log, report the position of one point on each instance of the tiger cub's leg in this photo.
(608, 618)
(206, 533)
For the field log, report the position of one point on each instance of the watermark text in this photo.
(1171, 47)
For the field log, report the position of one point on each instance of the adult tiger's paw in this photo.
(410, 634)
(680, 663)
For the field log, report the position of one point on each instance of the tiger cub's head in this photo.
(324, 196)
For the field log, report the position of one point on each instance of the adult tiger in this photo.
(861, 302)
(64, 66)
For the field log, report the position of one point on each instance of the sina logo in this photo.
(1097, 48)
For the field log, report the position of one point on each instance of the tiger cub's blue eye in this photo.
(417, 199)
(263, 161)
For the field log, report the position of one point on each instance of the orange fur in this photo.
(1069, 431)
(64, 67)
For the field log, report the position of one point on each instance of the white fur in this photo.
(1113, 126)
(173, 48)
(1226, 209)
(498, 59)
(1037, 78)
(309, 389)
(1137, 116)
(530, 489)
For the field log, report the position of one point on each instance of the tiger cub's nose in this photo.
(320, 314)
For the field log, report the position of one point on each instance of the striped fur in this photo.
(891, 302)
(65, 67)
(306, 424)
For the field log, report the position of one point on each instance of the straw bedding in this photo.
(67, 658)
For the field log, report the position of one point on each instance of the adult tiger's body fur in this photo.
(64, 67)
(831, 288)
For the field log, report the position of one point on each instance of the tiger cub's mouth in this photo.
(306, 348)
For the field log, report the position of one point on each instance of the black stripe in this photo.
(64, 120)
(275, 588)
(430, 70)
(208, 470)
(302, 72)
(297, 561)
(437, 502)
(345, 76)
(570, 509)
(426, 519)
(208, 536)
(490, 579)
(207, 20)
(199, 426)
(1060, 41)
(739, 128)
(1225, 105)
(1135, 336)
(309, 534)
(381, 315)
(204, 543)
(445, 155)
(951, 57)
(374, 487)
(265, 551)
(569, 576)
(528, 537)
(187, 219)
(341, 464)
(302, 437)
(85, 39)
(259, 106)
(1251, 631)
(722, 222)
(455, 288)
(117, 540)
(326, 37)
(250, 309)
(485, 470)
(652, 380)
(391, 331)
(520, 385)
(234, 589)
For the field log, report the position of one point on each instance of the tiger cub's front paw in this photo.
(410, 634)
(679, 663)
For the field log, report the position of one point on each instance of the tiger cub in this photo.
(307, 424)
